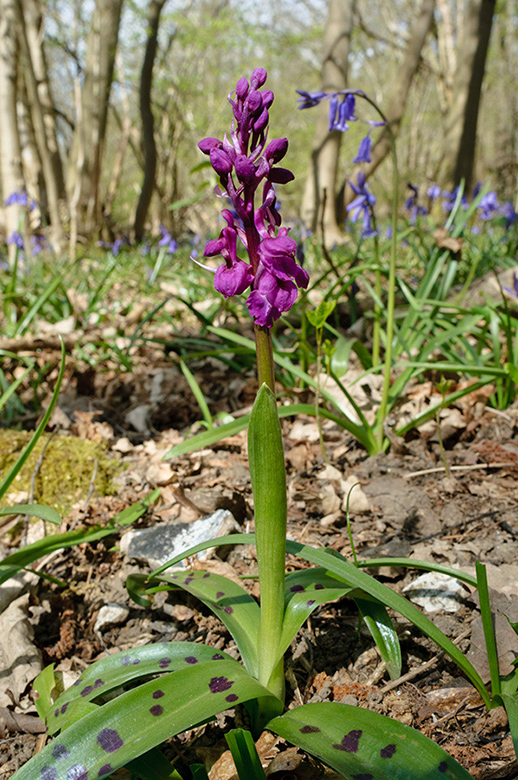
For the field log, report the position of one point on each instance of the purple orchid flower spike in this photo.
(244, 162)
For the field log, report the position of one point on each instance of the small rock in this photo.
(161, 543)
(111, 614)
(434, 591)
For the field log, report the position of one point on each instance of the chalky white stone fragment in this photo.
(434, 592)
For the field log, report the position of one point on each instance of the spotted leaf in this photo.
(138, 720)
(363, 745)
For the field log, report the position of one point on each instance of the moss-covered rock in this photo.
(66, 470)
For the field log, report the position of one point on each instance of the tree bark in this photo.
(89, 138)
(10, 152)
(318, 205)
(38, 121)
(146, 114)
(397, 101)
(461, 130)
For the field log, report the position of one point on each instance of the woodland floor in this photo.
(407, 506)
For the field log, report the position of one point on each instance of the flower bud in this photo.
(206, 144)
(220, 161)
(258, 78)
(245, 170)
(276, 150)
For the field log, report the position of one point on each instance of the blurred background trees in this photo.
(104, 101)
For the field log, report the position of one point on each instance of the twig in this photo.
(422, 668)
(472, 466)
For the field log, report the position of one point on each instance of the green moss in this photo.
(66, 471)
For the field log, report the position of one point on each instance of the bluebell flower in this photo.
(412, 205)
(514, 290)
(508, 212)
(364, 150)
(309, 99)
(167, 240)
(20, 198)
(434, 192)
(342, 113)
(37, 244)
(362, 206)
(451, 197)
(16, 238)
(488, 205)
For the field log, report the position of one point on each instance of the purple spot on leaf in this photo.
(158, 694)
(297, 589)
(64, 707)
(109, 740)
(88, 689)
(309, 730)
(164, 663)
(156, 709)
(136, 661)
(191, 660)
(232, 697)
(388, 751)
(78, 681)
(188, 580)
(48, 773)
(105, 770)
(220, 594)
(126, 661)
(56, 713)
(217, 657)
(98, 683)
(350, 742)
(310, 603)
(220, 684)
(77, 772)
(443, 766)
(59, 751)
(228, 610)
(206, 575)
(319, 586)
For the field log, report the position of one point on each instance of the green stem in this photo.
(264, 351)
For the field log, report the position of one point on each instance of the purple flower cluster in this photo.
(243, 162)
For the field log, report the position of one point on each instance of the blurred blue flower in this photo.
(412, 205)
(451, 197)
(38, 244)
(362, 206)
(488, 205)
(309, 99)
(166, 240)
(20, 198)
(364, 150)
(508, 212)
(16, 238)
(434, 191)
(341, 113)
(514, 290)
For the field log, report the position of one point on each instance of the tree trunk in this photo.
(461, 130)
(146, 114)
(10, 153)
(88, 144)
(397, 101)
(318, 205)
(38, 121)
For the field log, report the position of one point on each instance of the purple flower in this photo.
(38, 244)
(514, 290)
(451, 197)
(364, 150)
(488, 205)
(244, 162)
(412, 205)
(309, 99)
(16, 238)
(342, 113)
(508, 212)
(20, 198)
(362, 206)
(167, 240)
(434, 192)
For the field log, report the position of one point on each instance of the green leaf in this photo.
(116, 671)
(305, 591)
(44, 685)
(336, 563)
(140, 719)
(153, 765)
(358, 744)
(383, 632)
(317, 317)
(511, 707)
(488, 628)
(244, 753)
(33, 510)
(21, 559)
(18, 465)
(415, 563)
(228, 600)
(512, 371)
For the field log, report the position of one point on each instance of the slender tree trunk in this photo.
(146, 114)
(461, 130)
(10, 153)
(398, 99)
(318, 205)
(38, 122)
(89, 138)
